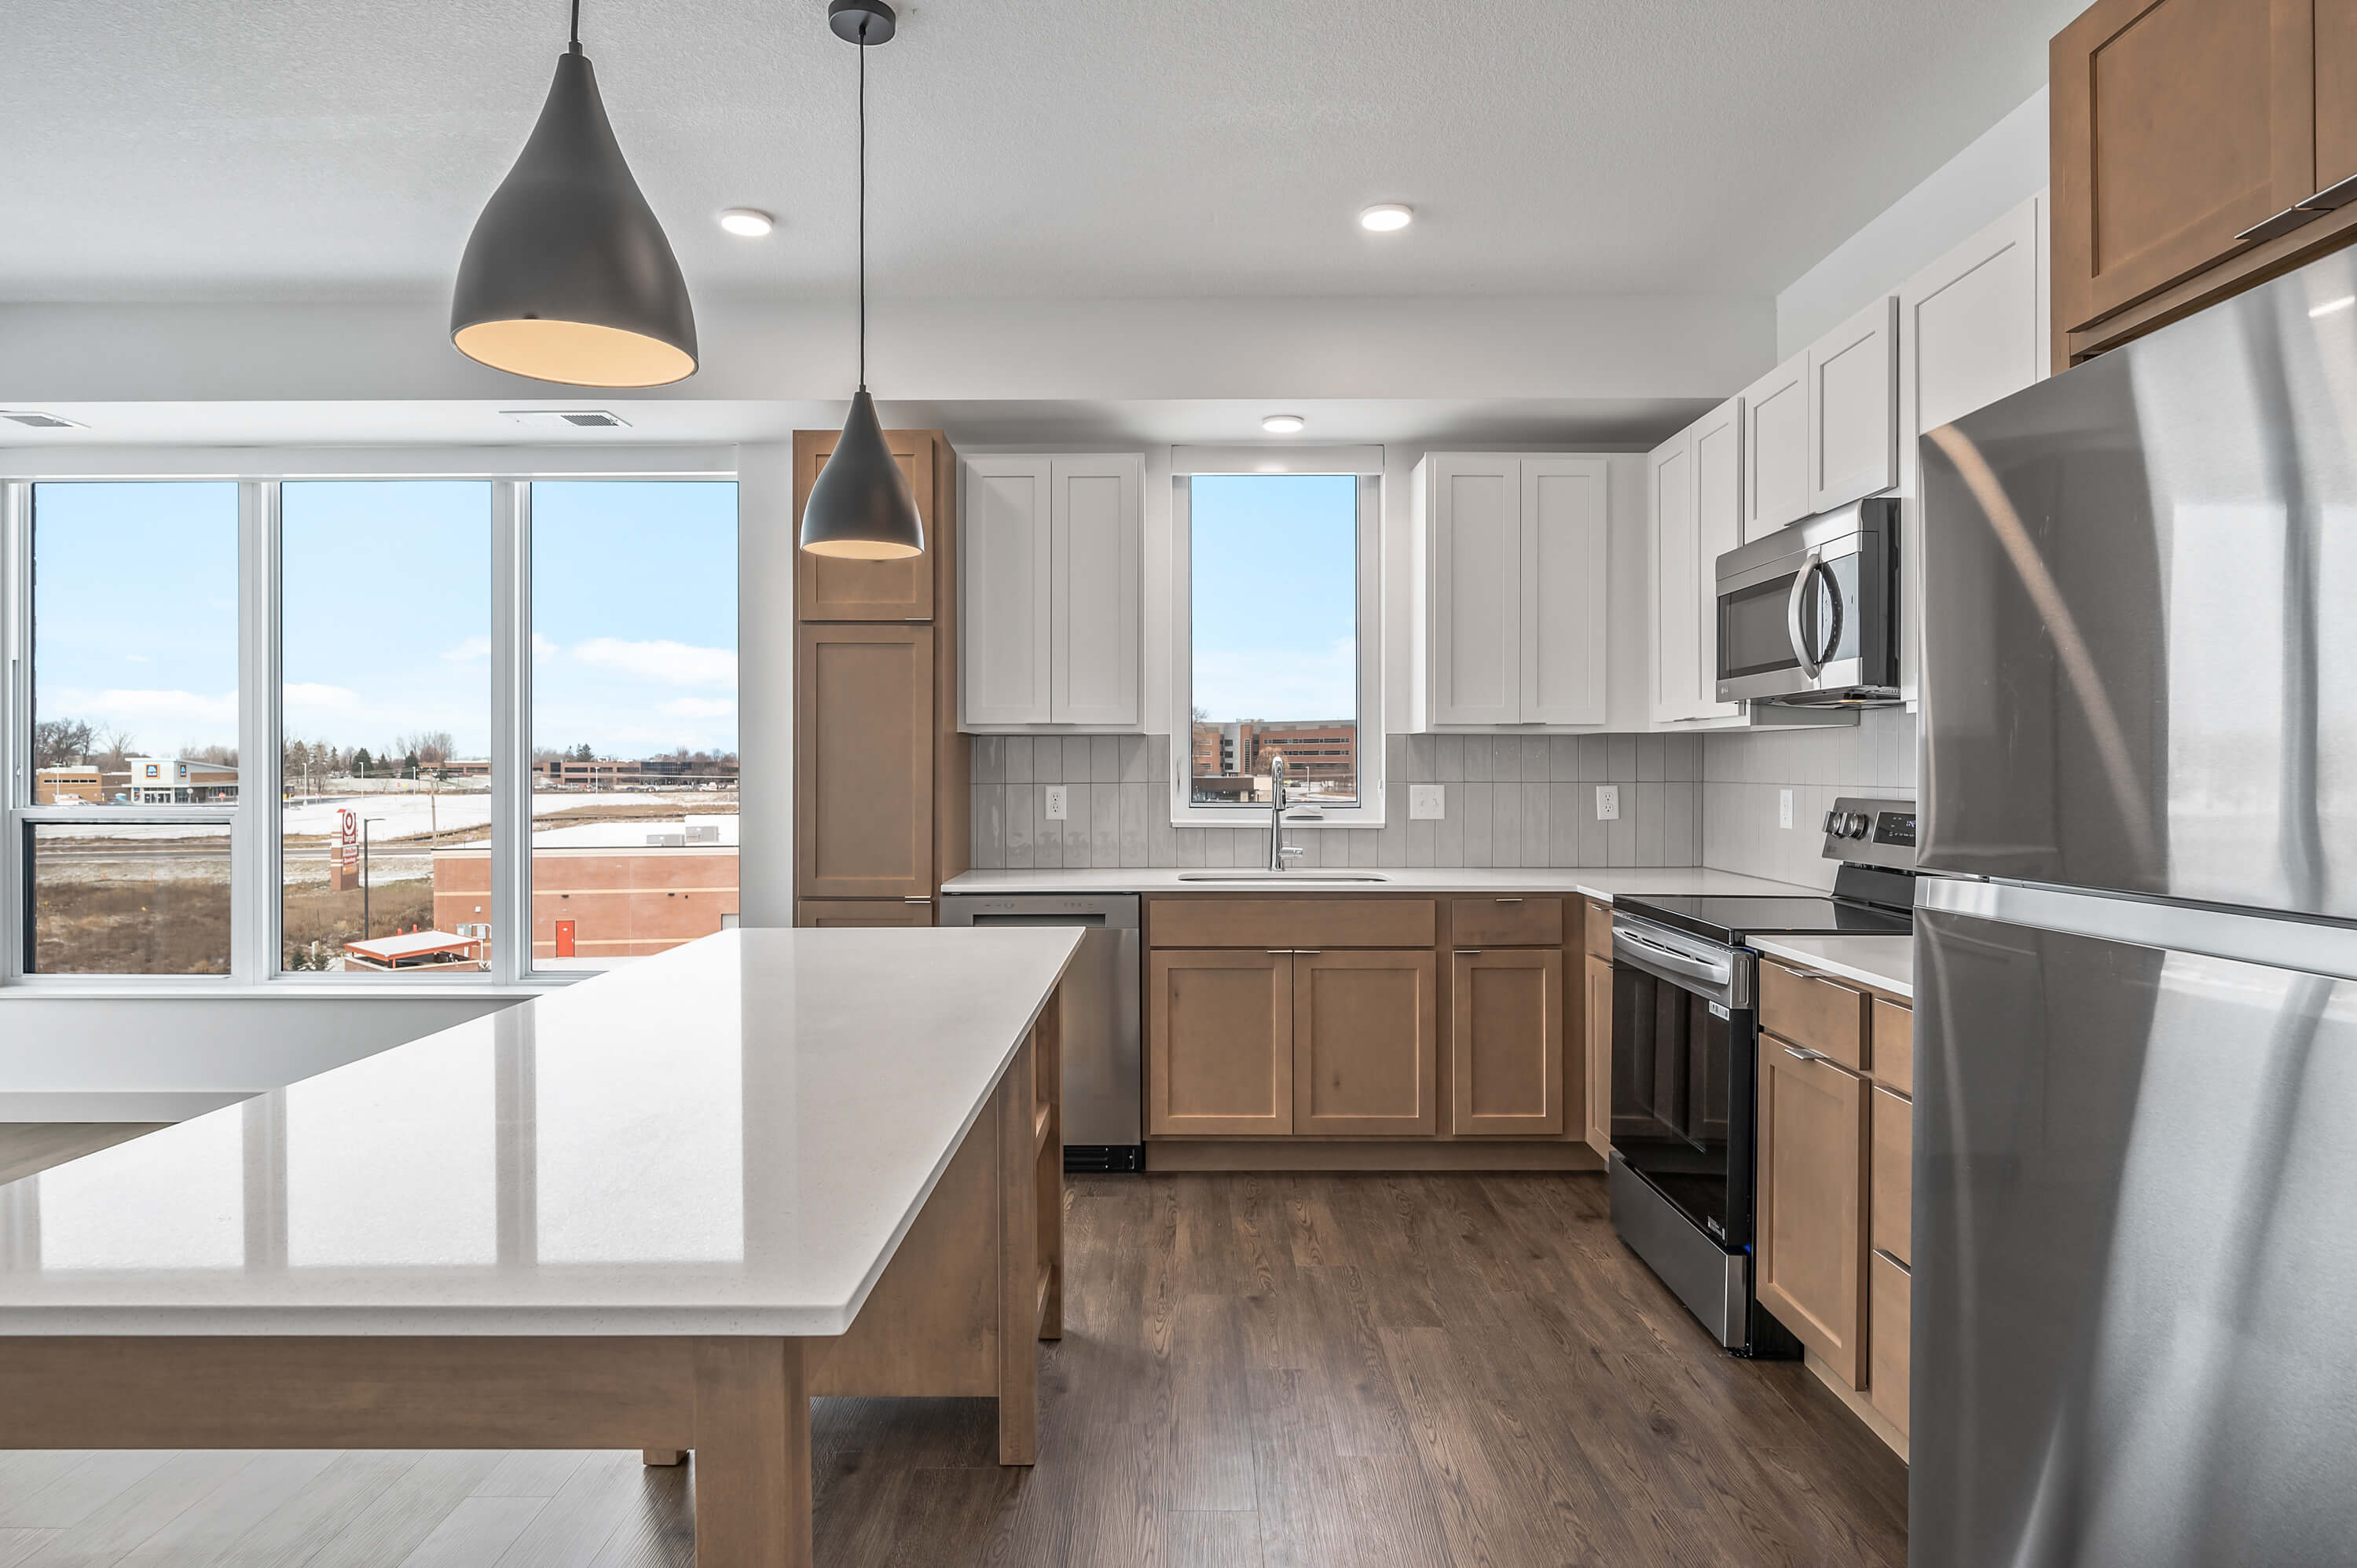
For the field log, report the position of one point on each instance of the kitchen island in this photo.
(660, 1209)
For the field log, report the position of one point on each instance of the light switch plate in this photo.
(1426, 802)
(1783, 807)
(1608, 802)
(1059, 796)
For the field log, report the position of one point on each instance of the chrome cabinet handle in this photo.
(2331, 198)
(1509, 900)
(1468, 952)
(914, 899)
(1885, 1254)
(1801, 1053)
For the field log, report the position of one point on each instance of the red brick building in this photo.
(601, 892)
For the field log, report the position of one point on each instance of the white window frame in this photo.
(1364, 462)
(255, 840)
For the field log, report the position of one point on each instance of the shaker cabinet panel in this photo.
(1505, 1041)
(1477, 603)
(1562, 591)
(832, 588)
(1854, 408)
(1007, 589)
(1776, 448)
(864, 761)
(1810, 1245)
(1219, 1043)
(1093, 618)
(1678, 568)
(1598, 1044)
(1366, 1044)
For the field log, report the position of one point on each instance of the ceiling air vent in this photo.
(32, 421)
(567, 418)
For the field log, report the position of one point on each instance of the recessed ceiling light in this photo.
(1283, 423)
(567, 418)
(747, 222)
(33, 420)
(2329, 305)
(1385, 217)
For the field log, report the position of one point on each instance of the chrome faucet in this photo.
(1278, 854)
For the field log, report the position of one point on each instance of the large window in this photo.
(385, 726)
(130, 778)
(381, 718)
(1278, 642)
(633, 718)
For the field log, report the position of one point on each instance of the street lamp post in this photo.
(364, 875)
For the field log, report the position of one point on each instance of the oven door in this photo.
(1683, 1031)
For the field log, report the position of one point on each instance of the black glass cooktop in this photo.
(1730, 919)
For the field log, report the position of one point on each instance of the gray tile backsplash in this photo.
(1744, 774)
(1511, 800)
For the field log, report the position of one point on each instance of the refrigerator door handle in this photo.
(1802, 581)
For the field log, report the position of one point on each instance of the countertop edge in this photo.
(1858, 974)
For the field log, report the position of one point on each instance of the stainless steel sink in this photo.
(1293, 876)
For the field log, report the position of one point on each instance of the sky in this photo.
(1275, 594)
(386, 587)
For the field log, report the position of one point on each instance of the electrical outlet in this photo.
(1608, 802)
(1059, 796)
(1783, 807)
(1426, 802)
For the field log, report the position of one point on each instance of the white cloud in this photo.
(675, 663)
(468, 651)
(137, 658)
(700, 707)
(119, 704)
(541, 649)
(311, 696)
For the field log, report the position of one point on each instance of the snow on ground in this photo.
(394, 818)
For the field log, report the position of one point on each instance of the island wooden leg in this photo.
(1018, 1264)
(752, 1454)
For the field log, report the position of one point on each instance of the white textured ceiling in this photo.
(267, 148)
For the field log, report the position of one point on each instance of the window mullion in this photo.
(16, 715)
(511, 731)
(254, 837)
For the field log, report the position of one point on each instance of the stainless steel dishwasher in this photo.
(1103, 1094)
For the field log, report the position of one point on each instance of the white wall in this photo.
(2002, 167)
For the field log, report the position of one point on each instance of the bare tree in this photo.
(57, 742)
(431, 748)
(114, 748)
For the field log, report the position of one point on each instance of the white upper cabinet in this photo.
(1511, 590)
(1776, 423)
(1050, 601)
(1973, 328)
(1696, 517)
(1854, 408)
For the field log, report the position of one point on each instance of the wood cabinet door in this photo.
(1093, 591)
(1890, 1205)
(1677, 567)
(1598, 1043)
(1562, 587)
(1477, 603)
(1219, 1043)
(864, 761)
(1854, 408)
(1776, 448)
(2336, 92)
(1810, 1242)
(1891, 1336)
(823, 913)
(829, 588)
(1003, 679)
(1505, 1041)
(1366, 1044)
(2177, 126)
(1718, 528)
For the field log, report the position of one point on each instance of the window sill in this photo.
(1359, 817)
(174, 990)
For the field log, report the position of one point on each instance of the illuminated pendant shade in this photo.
(861, 507)
(567, 276)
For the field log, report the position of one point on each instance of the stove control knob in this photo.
(1833, 823)
(1859, 822)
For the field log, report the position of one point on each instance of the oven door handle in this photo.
(1802, 644)
(1717, 974)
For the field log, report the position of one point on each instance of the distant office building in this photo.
(607, 773)
(1322, 755)
(178, 782)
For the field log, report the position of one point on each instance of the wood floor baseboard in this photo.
(1372, 1154)
(1876, 1422)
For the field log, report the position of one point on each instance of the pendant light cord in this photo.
(863, 204)
(576, 26)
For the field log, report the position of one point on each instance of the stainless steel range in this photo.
(1685, 1064)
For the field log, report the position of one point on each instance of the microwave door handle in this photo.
(1832, 639)
(1803, 650)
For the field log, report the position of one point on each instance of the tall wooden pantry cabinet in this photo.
(880, 771)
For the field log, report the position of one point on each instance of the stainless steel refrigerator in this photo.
(2135, 1293)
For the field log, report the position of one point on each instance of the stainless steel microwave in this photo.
(1810, 613)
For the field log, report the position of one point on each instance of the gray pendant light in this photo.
(567, 276)
(861, 507)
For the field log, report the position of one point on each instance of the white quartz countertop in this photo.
(731, 1138)
(1594, 882)
(1885, 961)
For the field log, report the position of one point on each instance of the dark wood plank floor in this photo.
(1293, 1371)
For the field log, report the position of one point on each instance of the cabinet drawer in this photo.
(1894, 1047)
(1506, 922)
(1599, 929)
(1267, 923)
(1813, 1012)
(1889, 1336)
(1890, 1205)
